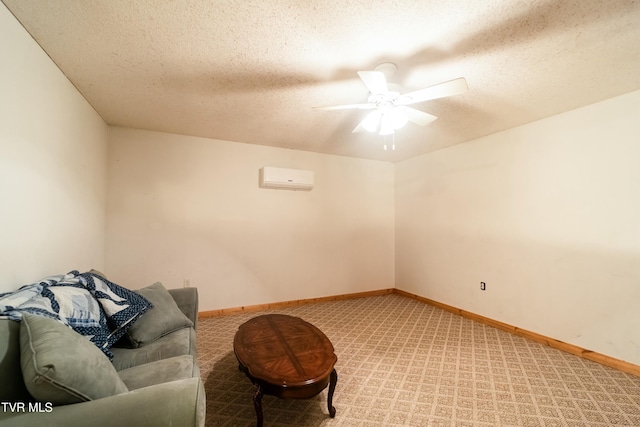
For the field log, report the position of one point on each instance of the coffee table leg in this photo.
(257, 403)
(332, 387)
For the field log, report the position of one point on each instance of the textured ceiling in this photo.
(251, 71)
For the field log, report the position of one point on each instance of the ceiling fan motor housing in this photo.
(383, 99)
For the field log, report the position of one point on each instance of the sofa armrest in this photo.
(177, 403)
(187, 300)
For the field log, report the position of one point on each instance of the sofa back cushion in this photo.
(12, 388)
(61, 366)
(163, 318)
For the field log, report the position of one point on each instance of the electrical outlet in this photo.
(187, 283)
(483, 286)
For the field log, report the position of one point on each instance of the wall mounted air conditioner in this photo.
(291, 179)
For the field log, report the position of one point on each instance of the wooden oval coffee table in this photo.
(286, 357)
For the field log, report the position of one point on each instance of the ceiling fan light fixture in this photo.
(386, 125)
(386, 120)
(370, 123)
(397, 117)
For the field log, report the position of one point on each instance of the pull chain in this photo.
(393, 142)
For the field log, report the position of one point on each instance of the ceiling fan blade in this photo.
(375, 81)
(416, 116)
(347, 107)
(359, 128)
(370, 123)
(450, 88)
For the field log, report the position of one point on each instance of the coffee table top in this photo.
(284, 350)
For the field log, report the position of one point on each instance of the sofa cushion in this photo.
(158, 372)
(12, 388)
(177, 343)
(164, 318)
(61, 366)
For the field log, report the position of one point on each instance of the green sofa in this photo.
(153, 379)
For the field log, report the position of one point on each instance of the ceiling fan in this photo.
(391, 111)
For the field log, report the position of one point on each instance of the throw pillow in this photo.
(62, 367)
(164, 318)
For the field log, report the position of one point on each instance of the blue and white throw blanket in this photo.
(90, 304)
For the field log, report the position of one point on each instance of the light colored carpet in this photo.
(405, 363)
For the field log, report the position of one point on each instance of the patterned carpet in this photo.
(405, 363)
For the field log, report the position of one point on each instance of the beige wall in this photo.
(547, 214)
(52, 166)
(190, 208)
